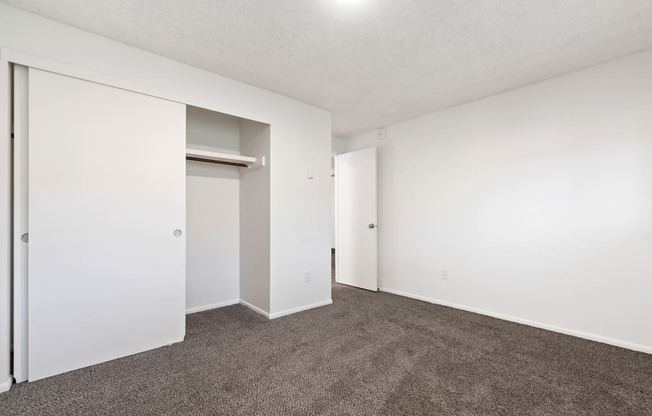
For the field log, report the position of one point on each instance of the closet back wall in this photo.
(212, 213)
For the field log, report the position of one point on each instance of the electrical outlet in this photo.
(444, 274)
(307, 276)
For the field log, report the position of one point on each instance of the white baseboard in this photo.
(300, 309)
(6, 385)
(554, 328)
(260, 311)
(212, 306)
(255, 308)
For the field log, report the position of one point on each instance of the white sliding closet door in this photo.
(106, 272)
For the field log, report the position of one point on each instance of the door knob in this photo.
(177, 233)
(372, 225)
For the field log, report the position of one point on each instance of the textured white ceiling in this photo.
(375, 62)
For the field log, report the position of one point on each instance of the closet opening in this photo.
(227, 211)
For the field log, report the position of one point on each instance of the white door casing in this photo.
(356, 217)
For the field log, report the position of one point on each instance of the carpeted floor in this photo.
(367, 354)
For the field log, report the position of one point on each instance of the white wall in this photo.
(300, 137)
(212, 213)
(300, 214)
(537, 201)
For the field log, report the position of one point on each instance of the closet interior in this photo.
(227, 211)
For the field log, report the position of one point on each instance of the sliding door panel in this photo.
(106, 187)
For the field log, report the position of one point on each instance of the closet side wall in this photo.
(255, 217)
(213, 213)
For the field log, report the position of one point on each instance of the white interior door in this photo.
(357, 238)
(106, 269)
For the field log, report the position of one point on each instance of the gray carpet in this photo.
(368, 354)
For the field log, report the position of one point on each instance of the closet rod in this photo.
(219, 162)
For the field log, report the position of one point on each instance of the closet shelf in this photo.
(220, 158)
